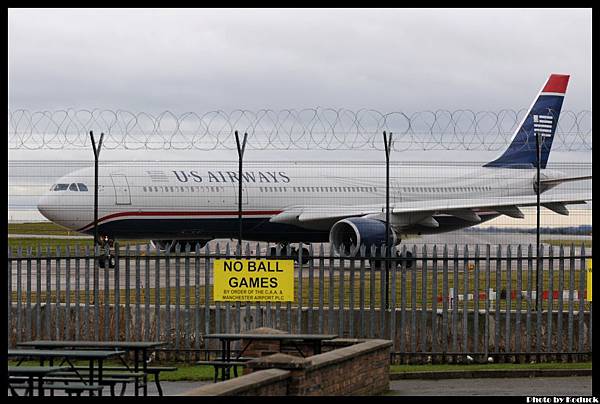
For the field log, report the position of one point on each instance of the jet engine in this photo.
(348, 235)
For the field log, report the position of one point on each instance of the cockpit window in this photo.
(82, 187)
(61, 187)
(73, 187)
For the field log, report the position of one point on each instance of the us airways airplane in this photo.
(293, 203)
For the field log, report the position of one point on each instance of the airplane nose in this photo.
(44, 207)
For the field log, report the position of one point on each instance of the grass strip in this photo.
(489, 366)
(189, 372)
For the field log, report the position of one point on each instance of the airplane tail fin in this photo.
(540, 120)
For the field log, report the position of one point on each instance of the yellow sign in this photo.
(589, 281)
(253, 280)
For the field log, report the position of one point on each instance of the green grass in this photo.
(35, 243)
(567, 242)
(188, 372)
(490, 366)
(329, 287)
(41, 228)
(43, 244)
(184, 372)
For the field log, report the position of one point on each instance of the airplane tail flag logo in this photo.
(540, 121)
(542, 125)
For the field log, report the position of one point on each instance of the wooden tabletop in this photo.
(92, 344)
(34, 370)
(63, 353)
(304, 337)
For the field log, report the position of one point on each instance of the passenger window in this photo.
(61, 187)
(73, 187)
(82, 187)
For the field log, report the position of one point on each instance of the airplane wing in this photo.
(421, 212)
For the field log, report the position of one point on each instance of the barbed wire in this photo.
(288, 129)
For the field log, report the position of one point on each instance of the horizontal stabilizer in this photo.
(556, 181)
(557, 207)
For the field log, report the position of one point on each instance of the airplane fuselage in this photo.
(202, 203)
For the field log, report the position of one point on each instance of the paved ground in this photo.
(174, 388)
(538, 386)
(169, 389)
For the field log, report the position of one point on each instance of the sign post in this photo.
(589, 280)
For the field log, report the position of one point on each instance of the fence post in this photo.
(388, 146)
(28, 314)
(96, 158)
(240, 150)
(321, 288)
(128, 292)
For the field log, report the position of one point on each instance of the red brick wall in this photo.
(361, 369)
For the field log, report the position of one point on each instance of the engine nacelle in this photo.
(169, 245)
(351, 233)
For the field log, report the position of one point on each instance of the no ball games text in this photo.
(253, 280)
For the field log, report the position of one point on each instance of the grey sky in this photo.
(200, 60)
(203, 60)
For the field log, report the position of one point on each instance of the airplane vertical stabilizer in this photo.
(541, 120)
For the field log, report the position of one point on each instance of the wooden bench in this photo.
(76, 388)
(70, 387)
(220, 364)
(152, 370)
(109, 378)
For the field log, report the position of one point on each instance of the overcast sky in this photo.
(204, 60)
(201, 60)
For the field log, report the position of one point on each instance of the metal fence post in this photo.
(240, 150)
(388, 146)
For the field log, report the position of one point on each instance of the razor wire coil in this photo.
(287, 129)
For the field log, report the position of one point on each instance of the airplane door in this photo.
(244, 193)
(395, 192)
(122, 194)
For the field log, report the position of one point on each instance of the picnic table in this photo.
(227, 338)
(31, 372)
(140, 351)
(68, 355)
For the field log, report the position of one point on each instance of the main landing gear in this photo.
(294, 254)
(406, 261)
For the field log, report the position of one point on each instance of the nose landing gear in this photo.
(106, 259)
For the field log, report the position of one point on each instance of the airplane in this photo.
(292, 203)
